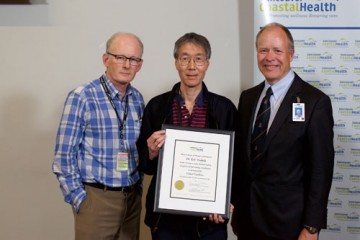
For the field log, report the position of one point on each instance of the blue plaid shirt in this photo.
(88, 139)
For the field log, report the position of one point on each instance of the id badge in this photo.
(122, 161)
(298, 110)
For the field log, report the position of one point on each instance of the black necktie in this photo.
(260, 127)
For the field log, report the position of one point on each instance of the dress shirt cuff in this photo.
(75, 198)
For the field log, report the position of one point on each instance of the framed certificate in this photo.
(195, 171)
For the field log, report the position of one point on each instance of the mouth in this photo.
(270, 67)
(191, 75)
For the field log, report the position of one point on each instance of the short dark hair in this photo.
(285, 29)
(194, 38)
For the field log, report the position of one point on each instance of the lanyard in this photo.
(121, 123)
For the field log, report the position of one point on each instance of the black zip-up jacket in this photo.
(221, 114)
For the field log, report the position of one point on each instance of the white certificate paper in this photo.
(194, 168)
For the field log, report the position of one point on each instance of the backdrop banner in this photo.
(327, 55)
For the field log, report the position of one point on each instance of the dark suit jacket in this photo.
(292, 185)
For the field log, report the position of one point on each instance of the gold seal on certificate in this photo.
(179, 185)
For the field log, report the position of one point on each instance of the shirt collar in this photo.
(113, 90)
(281, 86)
(198, 101)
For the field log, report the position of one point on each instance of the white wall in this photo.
(46, 50)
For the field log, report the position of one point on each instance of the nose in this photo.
(270, 55)
(127, 63)
(191, 64)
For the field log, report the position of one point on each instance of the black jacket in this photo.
(221, 114)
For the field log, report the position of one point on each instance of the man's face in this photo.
(122, 73)
(191, 65)
(273, 54)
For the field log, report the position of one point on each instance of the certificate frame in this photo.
(195, 171)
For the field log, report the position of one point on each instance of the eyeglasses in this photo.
(121, 59)
(198, 60)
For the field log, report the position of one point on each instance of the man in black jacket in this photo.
(190, 104)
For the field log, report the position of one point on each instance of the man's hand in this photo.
(305, 235)
(155, 142)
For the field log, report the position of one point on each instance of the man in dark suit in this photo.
(283, 174)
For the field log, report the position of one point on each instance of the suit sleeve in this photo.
(320, 165)
(145, 164)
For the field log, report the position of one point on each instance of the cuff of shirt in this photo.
(76, 198)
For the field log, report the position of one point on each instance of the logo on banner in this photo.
(355, 125)
(357, 70)
(326, 83)
(348, 164)
(354, 204)
(334, 228)
(355, 151)
(350, 57)
(349, 111)
(354, 178)
(338, 177)
(339, 151)
(335, 203)
(353, 216)
(356, 98)
(353, 230)
(340, 124)
(349, 138)
(305, 70)
(341, 43)
(340, 97)
(310, 42)
(350, 84)
(352, 191)
(326, 56)
(273, 6)
(341, 70)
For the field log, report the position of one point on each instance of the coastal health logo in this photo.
(356, 98)
(309, 42)
(340, 70)
(334, 228)
(338, 177)
(348, 138)
(340, 124)
(299, 6)
(355, 151)
(346, 164)
(350, 57)
(350, 84)
(323, 57)
(349, 111)
(353, 230)
(354, 204)
(339, 151)
(339, 97)
(353, 216)
(335, 203)
(335, 43)
(305, 70)
(323, 84)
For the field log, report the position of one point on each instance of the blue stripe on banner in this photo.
(326, 28)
